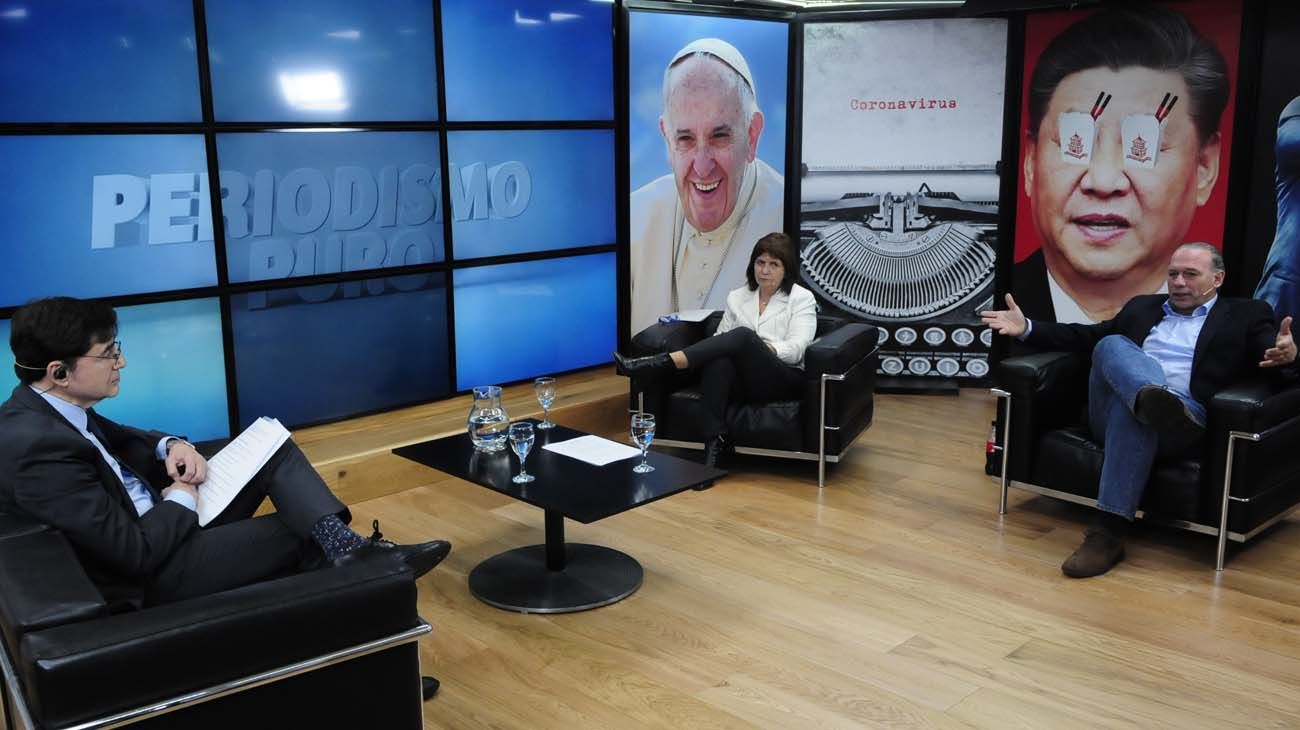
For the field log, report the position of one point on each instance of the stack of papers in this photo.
(235, 465)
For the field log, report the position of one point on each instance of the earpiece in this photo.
(1207, 291)
(60, 372)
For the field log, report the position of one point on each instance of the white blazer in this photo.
(789, 323)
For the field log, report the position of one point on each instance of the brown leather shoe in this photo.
(1099, 552)
(1164, 411)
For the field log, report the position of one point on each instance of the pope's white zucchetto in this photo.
(721, 50)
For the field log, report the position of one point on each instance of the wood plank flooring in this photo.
(895, 598)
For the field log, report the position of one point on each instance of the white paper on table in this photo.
(232, 467)
(692, 315)
(593, 450)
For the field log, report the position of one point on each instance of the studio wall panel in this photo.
(329, 351)
(300, 203)
(104, 215)
(530, 318)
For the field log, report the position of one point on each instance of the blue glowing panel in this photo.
(322, 60)
(98, 61)
(522, 320)
(303, 203)
(95, 216)
(653, 40)
(330, 351)
(560, 62)
(175, 378)
(520, 191)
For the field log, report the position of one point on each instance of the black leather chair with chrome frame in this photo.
(1246, 478)
(837, 403)
(327, 648)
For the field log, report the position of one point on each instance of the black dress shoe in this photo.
(1164, 411)
(429, 687)
(644, 367)
(419, 557)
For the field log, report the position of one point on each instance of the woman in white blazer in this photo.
(756, 354)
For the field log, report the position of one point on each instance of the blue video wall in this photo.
(352, 215)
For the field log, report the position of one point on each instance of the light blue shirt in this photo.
(140, 496)
(1172, 343)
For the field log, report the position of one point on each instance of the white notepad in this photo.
(232, 467)
(593, 450)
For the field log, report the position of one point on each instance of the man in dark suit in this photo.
(1154, 366)
(125, 498)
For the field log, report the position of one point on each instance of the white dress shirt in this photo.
(788, 324)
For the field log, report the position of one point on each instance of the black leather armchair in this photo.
(1246, 478)
(837, 402)
(329, 648)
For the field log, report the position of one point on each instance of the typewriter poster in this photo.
(902, 134)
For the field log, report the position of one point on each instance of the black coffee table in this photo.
(559, 577)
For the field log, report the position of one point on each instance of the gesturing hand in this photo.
(1011, 321)
(1283, 351)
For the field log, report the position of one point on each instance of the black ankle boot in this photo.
(716, 451)
(644, 367)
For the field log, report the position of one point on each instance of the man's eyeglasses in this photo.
(114, 352)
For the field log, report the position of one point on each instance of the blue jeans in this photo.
(1119, 370)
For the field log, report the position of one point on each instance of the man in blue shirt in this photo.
(125, 498)
(1154, 367)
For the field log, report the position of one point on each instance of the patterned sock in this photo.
(334, 537)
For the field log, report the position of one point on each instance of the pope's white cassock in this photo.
(706, 266)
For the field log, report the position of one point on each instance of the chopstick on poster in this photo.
(1162, 111)
(1099, 105)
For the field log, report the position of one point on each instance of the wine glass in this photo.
(545, 388)
(521, 442)
(643, 432)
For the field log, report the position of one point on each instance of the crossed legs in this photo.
(1118, 403)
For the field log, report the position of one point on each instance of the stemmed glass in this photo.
(545, 388)
(643, 432)
(521, 442)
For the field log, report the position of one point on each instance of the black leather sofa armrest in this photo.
(839, 349)
(42, 584)
(89, 669)
(1043, 373)
(1048, 390)
(1254, 407)
(669, 336)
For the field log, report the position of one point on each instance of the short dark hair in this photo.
(778, 246)
(1148, 36)
(57, 328)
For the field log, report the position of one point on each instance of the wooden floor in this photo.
(895, 598)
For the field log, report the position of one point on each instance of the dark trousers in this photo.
(236, 549)
(738, 367)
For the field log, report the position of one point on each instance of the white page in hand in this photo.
(232, 467)
(593, 450)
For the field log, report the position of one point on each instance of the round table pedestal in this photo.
(592, 576)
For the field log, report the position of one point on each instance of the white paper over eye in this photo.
(1140, 135)
(1077, 131)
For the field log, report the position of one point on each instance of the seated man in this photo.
(1154, 367)
(101, 483)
